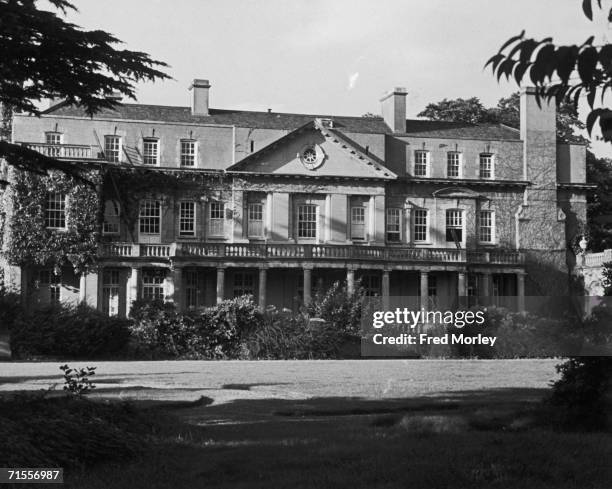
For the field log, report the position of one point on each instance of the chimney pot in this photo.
(200, 97)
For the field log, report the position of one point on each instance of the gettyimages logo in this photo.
(534, 327)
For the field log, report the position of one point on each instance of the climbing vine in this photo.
(128, 186)
(30, 242)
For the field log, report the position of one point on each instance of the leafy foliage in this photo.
(30, 242)
(43, 56)
(599, 202)
(77, 382)
(75, 332)
(506, 112)
(564, 72)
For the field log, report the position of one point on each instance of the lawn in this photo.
(357, 424)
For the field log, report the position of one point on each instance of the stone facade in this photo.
(280, 204)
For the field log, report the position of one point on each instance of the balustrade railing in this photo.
(310, 251)
(69, 151)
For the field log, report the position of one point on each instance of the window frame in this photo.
(184, 232)
(216, 225)
(424, 226)
(491, 226)
(397, 232)
(244, 287)
(111, 290)
(183, 155)
(461, 227)
(56, 215)
(117, 216)
(150, 154)
(107, 151)
(157, 284)
(419, 152)
(459, 156)
(158, 205)
(312, 211)
(252, 231)
(491, 168)
(356, 224)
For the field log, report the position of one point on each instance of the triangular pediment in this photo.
(314, 150)
(457, 193)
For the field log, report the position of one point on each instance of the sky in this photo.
(331, 56)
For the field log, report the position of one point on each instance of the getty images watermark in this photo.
(487, 327)
(404, 317)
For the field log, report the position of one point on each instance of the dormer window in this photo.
(112, 148)
(53, 140)
(150, 151)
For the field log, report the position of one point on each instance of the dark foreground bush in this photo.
(68, 432)
(581, 397)
(66, 331)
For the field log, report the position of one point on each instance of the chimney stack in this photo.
(199, 97)
(393, 106)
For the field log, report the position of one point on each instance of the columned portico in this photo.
(520, 291)
(350, 280)
(424, 290)
(220, 284)
(307, 284)
(132, 289)
(263, 284)
(175, 278)
(461, 288)
(385, 289)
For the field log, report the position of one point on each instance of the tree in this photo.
(43, 56)
(507, 112)
(564, 74)
(599, 202)
(468, 110)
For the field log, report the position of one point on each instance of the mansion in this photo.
(202, 204)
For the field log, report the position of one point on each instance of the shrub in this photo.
(159, 331)
(68, 331)
(580, 397)
(284, 335)
(338, 307)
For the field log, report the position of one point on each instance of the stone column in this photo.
(424, 290)
(263, 283)
(307, 284)
(220, 284)
(83, 288)
(350, 280)
(132, 289)
(461, 289)
(520, 291)
(385, 289)
(486, 286)
(176, 276)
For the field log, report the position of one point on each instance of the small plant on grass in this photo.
(77, 382)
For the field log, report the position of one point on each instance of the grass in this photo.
(417, 446)
(367, 424)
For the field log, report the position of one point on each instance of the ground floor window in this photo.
(110, 292)
(153, 284)
(47, 279)
(244, 284)
(194, 289)
(371, 284)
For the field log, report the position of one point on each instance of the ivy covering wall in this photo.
(27, 241)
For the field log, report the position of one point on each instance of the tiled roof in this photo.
(441, 129)
(239, 118)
